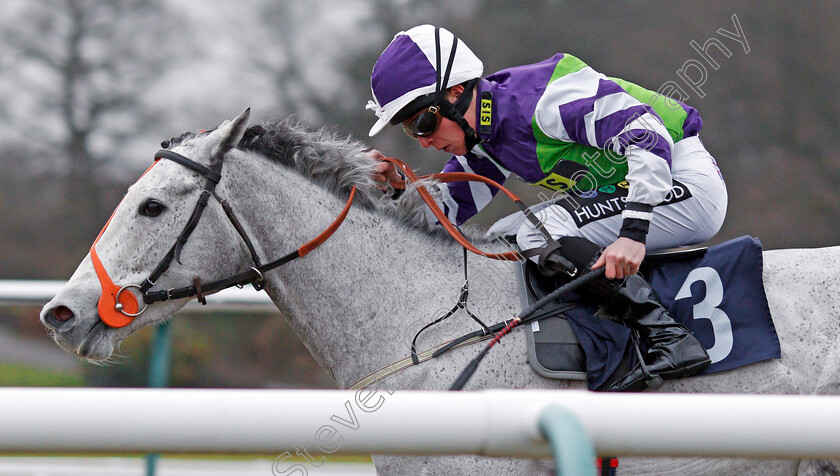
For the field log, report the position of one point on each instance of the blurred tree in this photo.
(81, 68)
(75, 97)
(318, 55)
(304, 49)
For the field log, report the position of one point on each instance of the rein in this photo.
(118, 308)
(444, 221)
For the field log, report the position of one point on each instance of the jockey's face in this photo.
(449, 137)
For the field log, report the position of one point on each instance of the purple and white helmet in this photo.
(407, 70)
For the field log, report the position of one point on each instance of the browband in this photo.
(206, 172)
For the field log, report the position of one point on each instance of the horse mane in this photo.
(338, 163)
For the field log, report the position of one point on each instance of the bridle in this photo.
(118, 308)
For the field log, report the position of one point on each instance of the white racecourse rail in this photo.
(495, 423)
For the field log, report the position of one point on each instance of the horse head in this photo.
(158, 238)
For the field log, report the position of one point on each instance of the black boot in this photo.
(673, 352)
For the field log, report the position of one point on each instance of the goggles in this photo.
(423, 124)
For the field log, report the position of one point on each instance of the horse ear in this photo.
(231, 133)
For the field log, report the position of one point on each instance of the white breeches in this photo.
(679, 221)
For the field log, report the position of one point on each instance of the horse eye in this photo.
(151, 208)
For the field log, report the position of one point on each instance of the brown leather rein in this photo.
(447, 177)
(118, 308)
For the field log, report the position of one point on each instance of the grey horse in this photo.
(357, 300)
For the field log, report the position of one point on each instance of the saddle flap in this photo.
(553, 349)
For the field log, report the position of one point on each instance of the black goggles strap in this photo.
(426, 123)
(456, 111)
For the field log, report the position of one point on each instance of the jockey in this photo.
(631, 156)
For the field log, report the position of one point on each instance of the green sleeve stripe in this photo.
(568, 65)
(674, 118)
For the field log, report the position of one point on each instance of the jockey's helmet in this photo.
(414, 72)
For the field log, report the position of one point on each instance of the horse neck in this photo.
(357, 300)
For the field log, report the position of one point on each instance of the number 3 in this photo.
(707, 309)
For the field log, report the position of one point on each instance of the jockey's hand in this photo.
(384, 172)
(622, 258)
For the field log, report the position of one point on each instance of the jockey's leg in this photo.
(673, 351)
(695, 217)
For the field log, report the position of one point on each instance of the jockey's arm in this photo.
(458, 200)
(630, 129)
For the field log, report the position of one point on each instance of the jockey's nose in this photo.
(425, 141)
(59, 319)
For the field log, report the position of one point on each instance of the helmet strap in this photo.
(440, 85)
(456, 111)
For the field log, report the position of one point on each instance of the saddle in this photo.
(553, 347)
(573, 341)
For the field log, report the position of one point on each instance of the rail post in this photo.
(573, 453)
(159, 362)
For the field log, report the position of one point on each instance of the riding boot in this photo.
(673, 352)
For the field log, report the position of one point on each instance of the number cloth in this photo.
(719, 297)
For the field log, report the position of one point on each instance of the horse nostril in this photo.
(58, 318)
(63, 313)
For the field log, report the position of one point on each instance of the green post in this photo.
(159, 362)
(159, 357)
(573, 453)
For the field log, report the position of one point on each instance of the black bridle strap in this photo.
(256, 273)
(203, 199)
(239, 229)
(246, 277)
(213, 175)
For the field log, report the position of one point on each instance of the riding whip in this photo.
(524, 316)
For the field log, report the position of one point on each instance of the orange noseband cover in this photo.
(108, 299)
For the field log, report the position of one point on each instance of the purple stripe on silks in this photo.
(648, 140)
(401, 68)
(479, 166)
(610, 126)
(452, 165)
(519, 89)
(574, 113)
(693, 123)
(461, 192)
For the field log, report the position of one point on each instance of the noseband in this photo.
(118, 308)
